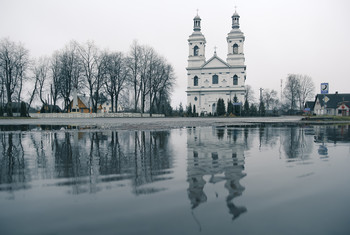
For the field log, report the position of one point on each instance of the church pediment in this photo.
(215, 62)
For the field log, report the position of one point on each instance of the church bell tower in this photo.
(235, 43)
(196, 45)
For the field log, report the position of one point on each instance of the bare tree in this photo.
(117, 73)
(14, 62)
(249, 94)
(101, 62)
(291, 90)
(93, 62)
(148, 65)
(134, 66)
(32, 94)
(270, 99)
(55, 67)
(40, 71)
(306, 90)
(162, 85)
(69, 73)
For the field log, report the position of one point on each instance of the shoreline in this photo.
(163, 123)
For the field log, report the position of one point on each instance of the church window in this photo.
(195, 98)
(195, 50)
(235, 48)
(235, 80)
(195, 81)
(215, 79)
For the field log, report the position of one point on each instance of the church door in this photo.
(213, 109)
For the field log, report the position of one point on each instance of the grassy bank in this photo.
(327, 118)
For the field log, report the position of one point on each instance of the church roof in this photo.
(215, 62)
(197, 17)
(235, 14)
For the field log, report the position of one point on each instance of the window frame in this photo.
(235, 80)
(215, 79)
(195, 81)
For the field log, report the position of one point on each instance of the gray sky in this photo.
(291, 36)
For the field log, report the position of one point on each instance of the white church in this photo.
(209, 80)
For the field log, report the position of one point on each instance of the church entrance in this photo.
(213, 109)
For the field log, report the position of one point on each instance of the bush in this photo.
(23, 109)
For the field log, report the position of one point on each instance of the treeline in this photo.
(297, 90)
(140, 80)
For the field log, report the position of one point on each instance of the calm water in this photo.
(222, 180)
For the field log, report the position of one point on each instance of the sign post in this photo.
(324, 91)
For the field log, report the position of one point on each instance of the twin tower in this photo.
(209, 80)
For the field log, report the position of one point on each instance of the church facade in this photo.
(209, 80)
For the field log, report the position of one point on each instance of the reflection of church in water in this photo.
(215, 155)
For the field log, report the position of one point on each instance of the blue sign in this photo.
(324, 88)
(239, 103)
(307, 109)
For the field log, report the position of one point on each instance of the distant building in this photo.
(209, 80)
(106, 107)
(50, 108)
(309, 107)
(83, 105)
(332, 104)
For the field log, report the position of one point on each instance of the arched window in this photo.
(215, 79)
(195, 50)
(235, 80)
(235, 48)
(195, 81)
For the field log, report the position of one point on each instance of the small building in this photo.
(332, 104)
(50, 108)
(309, 107)
(106, 107)
(83, 105)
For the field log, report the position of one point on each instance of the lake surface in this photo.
(257, 179)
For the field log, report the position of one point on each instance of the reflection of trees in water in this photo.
(219, 154)
(82, 160)
(295, 143)
(268, 135)
(13, 166)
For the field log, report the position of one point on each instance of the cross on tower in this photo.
(197, 11)
(215, 49)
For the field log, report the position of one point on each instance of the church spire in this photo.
(235, 20)
(197, 23)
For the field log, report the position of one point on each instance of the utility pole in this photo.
(260, 100)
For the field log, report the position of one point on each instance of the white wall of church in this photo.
(206, 102)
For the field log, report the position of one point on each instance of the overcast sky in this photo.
(291, 36)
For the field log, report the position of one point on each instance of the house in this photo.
(332, 104)
(309, 107)
(106, 107)
(50, 108)
(83, 105)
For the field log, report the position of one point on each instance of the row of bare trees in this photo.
(90, 70)
(298, 89)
